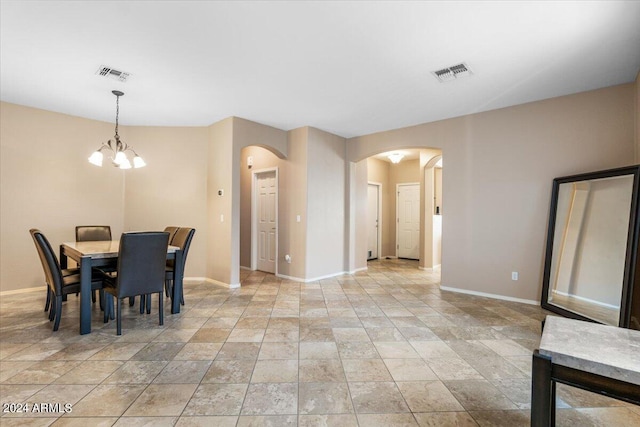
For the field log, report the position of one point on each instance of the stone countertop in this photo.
(600, 349)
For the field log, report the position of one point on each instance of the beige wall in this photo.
(219, 177)
(497, 182)
(172, 188)
(326, 227)
(47, 183)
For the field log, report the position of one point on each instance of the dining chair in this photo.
(87, 233)
(182, 239)
(58, 283)
(140, 271)
(94, 233)
(172, 232)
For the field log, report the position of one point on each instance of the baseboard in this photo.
(25, 290)
(430, 269)
(242, 267)
(357, 270)
(487, 295)
(196, 280)
(314, 279)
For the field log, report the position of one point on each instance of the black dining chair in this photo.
(182, 239)
(140, 271)
(58, 284)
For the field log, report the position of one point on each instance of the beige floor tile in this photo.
(183, 372)
(275, 371)
(119, 351)
(324, 398)
(136, 372)
(216, 399)
(90, 372)
(85, 421)
(377, 398)
(278, 350)
(229, 371)
(210, 335)
(10, 368)
(107, 400)
(385, 420)
(318, 350)
(321, 370)
(453, 368)
(409, 370)
(506, 347)
(207, 421)
(239, 350)
(478, 395)
(332, 420)
(267, 421)
(519, 418)
(365, 370)
(198, 351)
(281, 335)
(44, 372)
(271, 399)
(175, 335)
(161, 400)
(445, 419)
(428, 396)
(357, 350)
(246, 335)
(396, 350)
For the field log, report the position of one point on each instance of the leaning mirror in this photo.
(591, 259)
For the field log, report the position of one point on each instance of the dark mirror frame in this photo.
(630, 298)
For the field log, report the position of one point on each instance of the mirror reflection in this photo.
(589, 247)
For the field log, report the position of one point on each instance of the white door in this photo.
(372, 221)
(266, 204)
(408, 221)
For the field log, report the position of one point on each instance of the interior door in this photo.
(266, 199)
(408, 221)
(372, 221)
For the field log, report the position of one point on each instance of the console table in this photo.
(598, 358)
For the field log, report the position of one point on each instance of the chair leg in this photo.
(148, 300)
(182, 296)
(101, 295)
(166, 287)
(58, 313)
(108, 306)
(48, 303)
(132, 300)
(161, 309)
(143, 298)
(52, 308)
(118, 317)
(93, 296)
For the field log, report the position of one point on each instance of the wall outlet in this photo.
(514, 275)
(287, 258)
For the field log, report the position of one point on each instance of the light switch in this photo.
(221, 217)
(297, 218)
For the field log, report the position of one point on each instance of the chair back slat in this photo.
(141, 263)
(87, 233)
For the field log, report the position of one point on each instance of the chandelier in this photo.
(117, 149)
(395, 157)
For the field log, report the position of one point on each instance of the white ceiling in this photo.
(350, 68)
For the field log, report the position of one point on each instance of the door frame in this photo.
(379, 186)
(398, 212)
(254, 216)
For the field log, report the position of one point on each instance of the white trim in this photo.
(254, 216)
(196, 280)
(314, 279)
(379, 185)
(358, 269)
(601, 304)
(242, 267)
(22, 291)
(487, 295)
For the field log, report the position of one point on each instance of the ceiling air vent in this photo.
(452, 73)
(109, 72)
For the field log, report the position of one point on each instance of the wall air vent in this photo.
(452, 73)
(105, 71)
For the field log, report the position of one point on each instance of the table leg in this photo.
(85, 295)
(178, 275)
(542, 392)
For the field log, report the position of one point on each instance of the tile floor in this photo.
(384, 347)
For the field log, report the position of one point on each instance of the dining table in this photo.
(90, 254)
